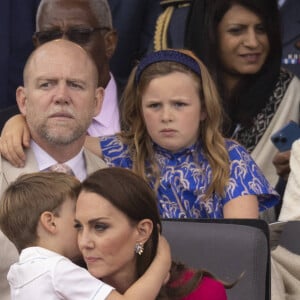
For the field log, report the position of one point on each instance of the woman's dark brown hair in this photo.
(131, 194)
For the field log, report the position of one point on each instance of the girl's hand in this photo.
(15, 136)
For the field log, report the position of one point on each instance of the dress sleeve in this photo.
(114, 152)
(246, 178)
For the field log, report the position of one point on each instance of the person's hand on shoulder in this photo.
(15, 136)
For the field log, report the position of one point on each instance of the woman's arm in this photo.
(148, 286)
(242, 207)
(15, 136)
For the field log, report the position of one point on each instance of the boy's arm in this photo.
(148, 286)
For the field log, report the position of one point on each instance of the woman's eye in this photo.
(235, 30)
(77, 226)
(100, 227)
(260, 29)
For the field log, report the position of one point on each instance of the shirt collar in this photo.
(185, 151)
(44, 160)
(110, 100)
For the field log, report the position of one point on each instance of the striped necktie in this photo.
(62, 168)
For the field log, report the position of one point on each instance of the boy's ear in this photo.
(145, 228)
(47, 220)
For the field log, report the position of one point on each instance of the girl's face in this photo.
(243, 41)
(106, 239)
(172, 110)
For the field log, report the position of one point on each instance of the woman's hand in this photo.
(281, 161)
(15, 136)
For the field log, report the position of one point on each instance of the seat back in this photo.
(227, 248)
(289, 237)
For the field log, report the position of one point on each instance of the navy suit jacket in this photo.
(290, 14)
(17, 24)
(134, 21)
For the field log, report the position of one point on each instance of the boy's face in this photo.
(67, 233)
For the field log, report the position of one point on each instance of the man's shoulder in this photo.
(93, 162)
(9, 173)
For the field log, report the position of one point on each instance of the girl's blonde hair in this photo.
(135, 134)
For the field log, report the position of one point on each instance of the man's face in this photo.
(66, 15)
(60, 96)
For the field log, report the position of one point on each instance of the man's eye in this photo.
(75, 85)
(45, 85)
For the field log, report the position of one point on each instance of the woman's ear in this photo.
(145, 228)
(47, 221)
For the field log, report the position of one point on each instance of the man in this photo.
(89, 24)
(59, 99)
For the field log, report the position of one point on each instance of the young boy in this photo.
(37, 215)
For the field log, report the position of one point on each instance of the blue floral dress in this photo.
(186, 175)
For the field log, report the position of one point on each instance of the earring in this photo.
(139, 248)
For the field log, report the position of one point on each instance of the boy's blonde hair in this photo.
(27, 198)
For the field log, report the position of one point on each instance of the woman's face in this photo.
(243, 41)
(172, 110)
(106, 238)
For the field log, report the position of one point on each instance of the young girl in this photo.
(171, 120)
(171, 137)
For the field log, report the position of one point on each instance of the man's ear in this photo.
(145, 228)
(110, 40)
(99, 96)
(47, 221)
(21, 99)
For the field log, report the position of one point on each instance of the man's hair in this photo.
(27, 198)
(100, 8)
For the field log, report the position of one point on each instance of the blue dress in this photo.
(186, 175)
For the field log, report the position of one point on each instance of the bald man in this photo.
(59, 98)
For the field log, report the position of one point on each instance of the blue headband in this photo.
(167, 55)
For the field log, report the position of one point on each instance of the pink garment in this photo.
(107, 122)
(208, 288)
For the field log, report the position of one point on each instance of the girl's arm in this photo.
(148, 286)
(15, 136)
(242, 207)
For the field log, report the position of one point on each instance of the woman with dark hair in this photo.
(118, 225)
(240, 42)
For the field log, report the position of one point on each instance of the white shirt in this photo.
(41, 274)
(107, 122)
(44, 160)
